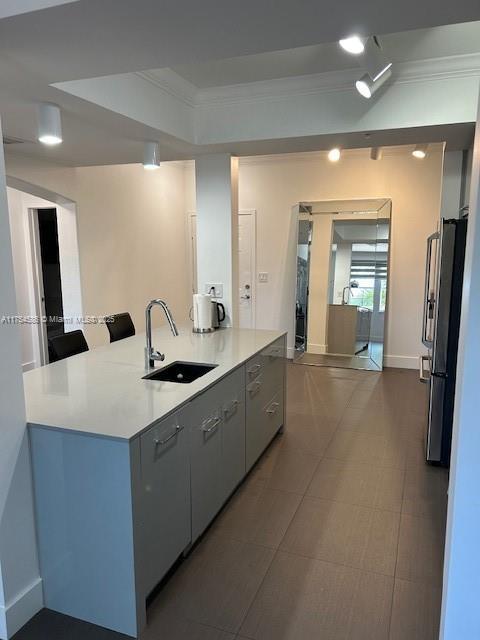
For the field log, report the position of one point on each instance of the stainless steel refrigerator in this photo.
(440, 330)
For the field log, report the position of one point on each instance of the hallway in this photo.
(336, 534)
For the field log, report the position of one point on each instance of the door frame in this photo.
(192, 265)
(253, 222)
(41, 346)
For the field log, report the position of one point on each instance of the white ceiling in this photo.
(91, 38)
(421, 44)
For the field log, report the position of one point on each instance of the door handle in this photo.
(158, 442)
(423, 376)
(273, 408)
(213, 422)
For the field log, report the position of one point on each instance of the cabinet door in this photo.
(232, 394)
(205, 420)
(165, 498)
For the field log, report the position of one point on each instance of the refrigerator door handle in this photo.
(428, 300)
(424, 372)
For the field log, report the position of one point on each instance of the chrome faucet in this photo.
(152, 354)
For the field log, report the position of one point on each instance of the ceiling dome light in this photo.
(354, 45)
(420, 151)
(366, 87)
(151, 156)
(49, 124)
(334, 154)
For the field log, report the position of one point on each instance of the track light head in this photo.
(353, 44)
(366, 87)
(375, 153)
(420, 151)
(334, 154)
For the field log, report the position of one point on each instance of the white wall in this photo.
(461, 576)
(20, 585)
(272, 185)
(131, 236)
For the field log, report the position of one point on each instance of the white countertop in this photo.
(101, 392)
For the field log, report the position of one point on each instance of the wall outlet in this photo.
(215, 289)
(263, 276)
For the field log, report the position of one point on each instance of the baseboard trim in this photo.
(18, 611)
(316, 348)
(401, 362)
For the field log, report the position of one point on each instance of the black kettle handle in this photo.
(220, 306)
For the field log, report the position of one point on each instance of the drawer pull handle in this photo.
(213, 422)
(228, 411)
(158, 442)
(273, 408)
(255, 386)
(255, 369)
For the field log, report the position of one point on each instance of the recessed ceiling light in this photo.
(354, 45)
(420, 151)
(334, 154)
(366, 87)
(151, 156)
(49, 124)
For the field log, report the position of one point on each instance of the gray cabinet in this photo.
(216, 423)
(114, 515)
(163, 507)
(265, 399)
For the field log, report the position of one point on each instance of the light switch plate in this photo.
(215, 289)
(263, 276)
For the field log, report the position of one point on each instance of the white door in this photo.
(246, 264)
(246, 269)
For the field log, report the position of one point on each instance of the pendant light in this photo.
(49, 124)
(151, 156)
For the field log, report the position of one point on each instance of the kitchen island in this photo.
(128, 472)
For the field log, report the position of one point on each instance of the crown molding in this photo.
(450, 67)
(172, 83)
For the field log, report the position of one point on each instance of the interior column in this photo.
(217, 230)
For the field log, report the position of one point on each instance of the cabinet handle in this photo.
(255, 369)
(157, 441)
(228, 411)
(273, 408)
(255, 386)
(214, 422)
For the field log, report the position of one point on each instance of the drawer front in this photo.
(165, 528)
(270, 364)
(205, 422)
(261, 426)
(232, 394)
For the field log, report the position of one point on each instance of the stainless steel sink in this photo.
(182, 372)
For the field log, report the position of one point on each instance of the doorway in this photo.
(247, 238)
(51, 279)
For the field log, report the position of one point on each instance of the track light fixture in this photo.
(49, 124)
(420, 151)
(334, 154)
(377, 66)
(366, 87)
(375, 153)
(353, 44)
(151, 156)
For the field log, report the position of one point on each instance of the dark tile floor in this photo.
(337, 533)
